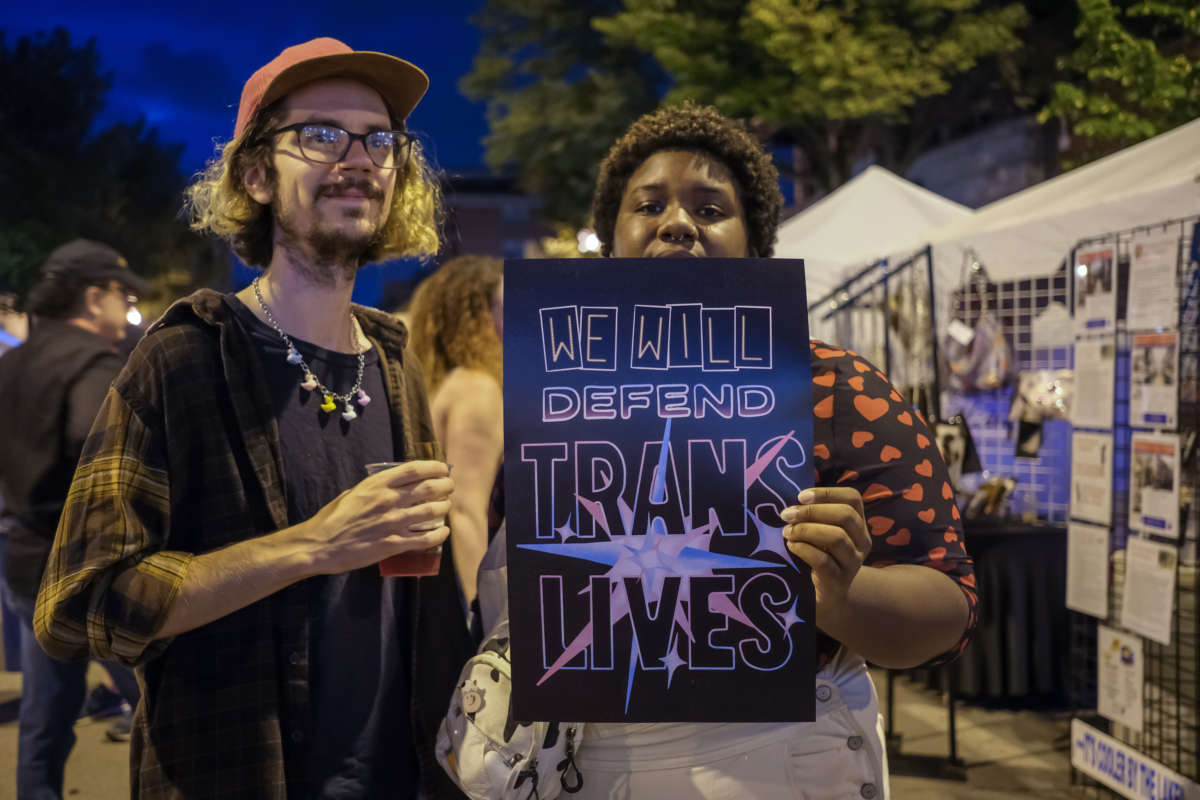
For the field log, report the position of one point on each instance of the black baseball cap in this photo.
(94, 261)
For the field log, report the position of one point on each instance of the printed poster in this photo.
(1087, 569)
(1153, 286)
(1153, 367)
(1154, 484)
(1095, 289)
(1119, 676)
(1095, 377)
(1148, 599)
(658, 417)
(1091, 477)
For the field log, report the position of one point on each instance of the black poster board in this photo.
(658, 417)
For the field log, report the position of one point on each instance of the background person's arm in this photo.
(470, 406)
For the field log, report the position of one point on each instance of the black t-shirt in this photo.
(361, 635)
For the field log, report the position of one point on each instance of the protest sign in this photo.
(658, 417)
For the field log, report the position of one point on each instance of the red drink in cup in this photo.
(414, 563)
(411, 563)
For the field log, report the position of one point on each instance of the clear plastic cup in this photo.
(412, 563)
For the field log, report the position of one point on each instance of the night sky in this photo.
(183, 67)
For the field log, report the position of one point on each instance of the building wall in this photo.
(987, 165)
(500, 223)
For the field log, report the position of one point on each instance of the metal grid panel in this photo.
(1043, 482)
(1172, 688)
(1171, 691)
(885, 313)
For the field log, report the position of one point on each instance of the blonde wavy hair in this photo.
(450, 319)
(217, 201)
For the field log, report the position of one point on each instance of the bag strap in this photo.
(530, 772)
(567, 765)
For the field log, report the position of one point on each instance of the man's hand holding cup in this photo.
(425, 560)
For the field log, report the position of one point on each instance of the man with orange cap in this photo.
(221, 533)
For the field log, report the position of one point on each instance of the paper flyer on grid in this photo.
(1153, 288)
(1153, 379)
(1119, 676)
(1148, 599)
(1095, 289)
(1095, 376)
(1154, 483)
(1087, 569)
(1091, 477)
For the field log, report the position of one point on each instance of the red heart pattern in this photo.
(876, 491)
(871, 407)
(824, 409)
(912, 516)
(880, 525)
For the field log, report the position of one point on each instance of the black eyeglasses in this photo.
(328, 144)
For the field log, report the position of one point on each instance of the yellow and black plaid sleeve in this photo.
(108, 584)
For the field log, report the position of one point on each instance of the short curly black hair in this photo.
(700, 129)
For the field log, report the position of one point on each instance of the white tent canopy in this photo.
(864, 219)
(1029, 233)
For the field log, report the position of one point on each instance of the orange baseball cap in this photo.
(400, 83)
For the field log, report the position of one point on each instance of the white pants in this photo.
(839, 755)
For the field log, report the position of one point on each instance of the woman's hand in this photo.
(828, 531)
(897, 617)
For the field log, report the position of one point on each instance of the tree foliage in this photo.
(1134, 74)
(840, 80)
(557, 96)
(60, 179)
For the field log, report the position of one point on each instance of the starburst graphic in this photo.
(657, 554)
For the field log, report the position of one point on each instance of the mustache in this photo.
(361, 185)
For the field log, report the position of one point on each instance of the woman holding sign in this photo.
(879, 530)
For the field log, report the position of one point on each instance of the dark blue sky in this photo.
(183, 67)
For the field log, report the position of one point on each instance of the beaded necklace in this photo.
(311, 382)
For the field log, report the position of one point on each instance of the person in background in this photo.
(880, 531)
(221, 532)
(50, 389)
(456, 320)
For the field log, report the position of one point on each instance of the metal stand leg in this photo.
(947, 768)
(892, 738)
